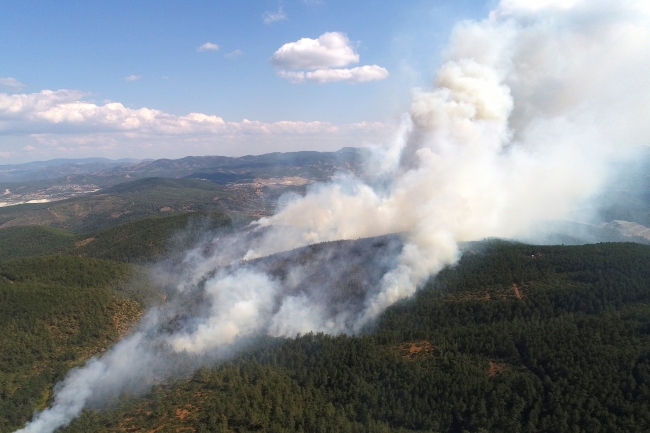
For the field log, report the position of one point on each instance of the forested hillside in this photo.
(60, 303)
(18, 242)
(516, 338)
(56, 312)
(138, 241)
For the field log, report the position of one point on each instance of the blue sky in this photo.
(91, 47)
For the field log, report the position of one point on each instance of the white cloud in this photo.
(62, 123)
(330, 50)
(293, 76)
(132, 77)
(208, 46)
(354, 75)
(236, 53)
(321, 61)
(11, 82)
(272, 17)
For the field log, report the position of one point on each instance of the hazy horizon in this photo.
(167, 80)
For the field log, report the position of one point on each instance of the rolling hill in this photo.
(61, 179)
(139, 241)
(119, 204)
(56, 312)
(516, 338)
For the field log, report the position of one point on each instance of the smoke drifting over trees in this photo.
(528, 111)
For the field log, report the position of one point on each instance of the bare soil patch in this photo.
(496, 368)
(416, 349)
(182, 413)
(84, 242)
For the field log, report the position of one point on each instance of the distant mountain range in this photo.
(221, 169)
(66, 161)
(251, 185)
(55, 168)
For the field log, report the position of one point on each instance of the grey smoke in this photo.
(528, 112)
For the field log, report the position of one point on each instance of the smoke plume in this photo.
(528, 110)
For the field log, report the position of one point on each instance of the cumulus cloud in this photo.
(330, 50)
(208, 46)
(132, 78)
(11, 82)
(354, 75)
(272, 17)
(321, 61)
(64, 111)
(63, 120)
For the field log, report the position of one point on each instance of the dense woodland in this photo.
(138, 241)
(56, 312)
(515, 338)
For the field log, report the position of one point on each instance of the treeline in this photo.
(514, 338)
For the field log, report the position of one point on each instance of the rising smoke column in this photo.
(528, 110)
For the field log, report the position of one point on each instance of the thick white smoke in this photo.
(529, 109)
